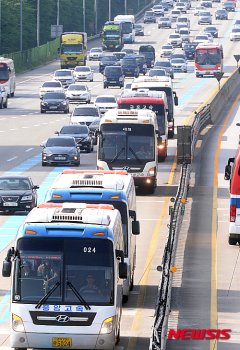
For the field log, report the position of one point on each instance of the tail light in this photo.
(232, 213)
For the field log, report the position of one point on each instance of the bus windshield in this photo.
(3, 72)
(126, 27)
(208, 57)
(65, 263)
(110, 34)
(121, 142)
(155, 107)
(68, 49)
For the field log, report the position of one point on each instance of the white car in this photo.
(179, 64)
(86, 115)
(96, 53)
(50, 86)
(175, 14)
(210, 37)
(106, 102)
(197, 9)
(83, 73)
(166, 51)
(184, 34)
(201, 38)
(235, 34)
(65, 76)
(181, 7)
(236, 23)
(174, 40)
(78, 93)
(158, 10)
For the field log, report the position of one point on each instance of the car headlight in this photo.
(27, 198)
(64, 103)
(44, 103)
(107, 326)
(95, 123)
(73, 152)
(17, 324)
(47, 152)
(85, 94)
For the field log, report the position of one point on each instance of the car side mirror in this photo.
(119, 254)
(35, 187)
(42, 145)
(132, 214)
(135, 227)
(6, 269)
(56, 132)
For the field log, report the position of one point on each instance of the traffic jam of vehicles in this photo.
(74, 255)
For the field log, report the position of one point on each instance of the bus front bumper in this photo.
(144, 181)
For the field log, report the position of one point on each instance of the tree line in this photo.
(70, 16)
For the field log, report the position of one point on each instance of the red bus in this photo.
(156, 101)
(208, 59)
(7, 75)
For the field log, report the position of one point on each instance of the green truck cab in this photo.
(112, 36)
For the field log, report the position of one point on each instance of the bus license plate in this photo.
(207, 72)
(110, 45)
(62, 342)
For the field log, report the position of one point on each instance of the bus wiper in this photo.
(87, 307)
(46, 296)
(117, 155)
(135, 155)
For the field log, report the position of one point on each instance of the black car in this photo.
(128, 51)
(113, 76)
(108, 60)
(81, 133)
(165, 65)
(60, 150)
(139, 30)
(17, 193)
(229, 6)
(119, 55)
(212, 30)
(149, 17)
(54, 101)
(142, 64)
(221, 14)
(130, 66)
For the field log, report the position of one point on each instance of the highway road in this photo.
(203, 238)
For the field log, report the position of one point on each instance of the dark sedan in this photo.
(149, 17)
(81, 134)
(108, 60)
(54, 101)
(139, 30)
(17, 193)
(221, 14)
(60, 150)
(229, 6)
(212, 30)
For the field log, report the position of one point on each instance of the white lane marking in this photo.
(27, 150)
(23, 115)
(25, 127)
(3, 118)
(45, 123)
(9, 160)
(97, 85)
(14, 117)
(12, 129)
(36, 125)
(149, 32)
(1, 131)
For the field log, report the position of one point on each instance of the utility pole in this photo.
(109, 10)
(57, 12)
(95, 13)
(38, 20)
(20, 25)
(84, 23)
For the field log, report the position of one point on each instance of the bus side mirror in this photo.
(239, 70)
(135, 227)
(123, 271)
(58, 49)
(175, 98)
(227, 172)
(119, 254)
(159, 140)
(158, 132)
(132, 214)
(6, 270)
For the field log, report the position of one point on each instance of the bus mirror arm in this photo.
(7, 263)
(159, 140)
(132, 214)
(123, 270)
(175, 98)
(119, 254)
(158, 133)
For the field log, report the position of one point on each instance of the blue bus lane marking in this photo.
(9, 228)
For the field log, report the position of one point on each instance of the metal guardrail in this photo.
(160, 325)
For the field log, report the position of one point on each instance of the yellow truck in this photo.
(73, 49)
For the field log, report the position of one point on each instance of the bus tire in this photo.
(125, 298)
(232, 241)
(118, 336)
(170, 134)
(1, 105)
(132, 283)
(5, 104)
(12, 94)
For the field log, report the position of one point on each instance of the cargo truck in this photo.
(112, 37)
(73, 49)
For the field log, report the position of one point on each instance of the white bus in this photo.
(7, 75)
(128, 24)
(67, 278)
(103, 187)
(128, 140)
(160, 84)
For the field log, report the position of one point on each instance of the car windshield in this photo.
(60, 142)
(113, 70)
(163, 64)
(157, 7)
(237, 21)
(235, 30)
(52, 84)
(96, 50)
(128, 51)
(157, 72)
(141, 59)
(107, 99)
(221, 12)
(77, 87)
(184, 31)
(167, 47)
(149, 13)
(14, 184)
(201, 37)
(211, 29)
(138, 26)
(180, 4)
(109, 58)
(86, 111)
(173, 36)
(74, 129)
(178, 60)
(119, 55)
(82, 69)
(54, 96)
(129, 63)
(204, 14)
(61, 73)
(176, 12)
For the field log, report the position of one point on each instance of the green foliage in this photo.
(71, 17)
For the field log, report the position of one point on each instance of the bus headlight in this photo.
(17, 324)
(107, 326)
(151, 172)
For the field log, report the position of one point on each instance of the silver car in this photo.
(164, 22)
(65, 76)
(78, 93)
(83, 73)
(3, 97)
(204, 17)
(179, 64)
(96, 53)
(235, 34)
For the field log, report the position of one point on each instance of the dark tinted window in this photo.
(60, 141)
(85, 111)
(74, 129)
(109, 58)
(113, 70)
(54, 96)
(52, 84)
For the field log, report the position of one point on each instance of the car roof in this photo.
(15, 177)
